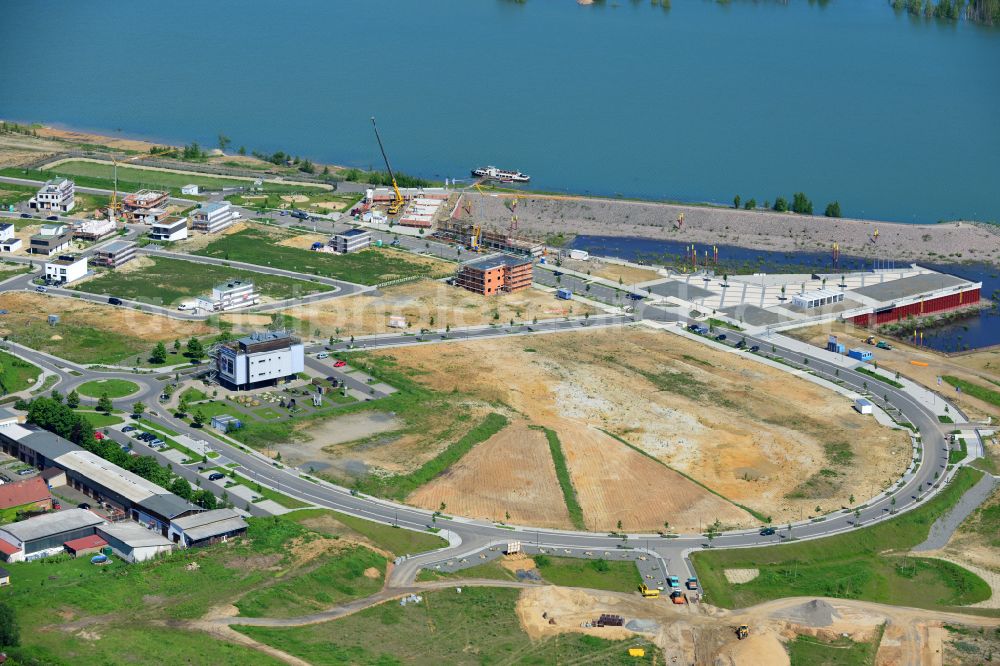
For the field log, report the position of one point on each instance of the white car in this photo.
(185, 306)
(322, 355)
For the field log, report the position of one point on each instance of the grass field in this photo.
(99, 420)
(128, 613)
(115, 388)
(868, 563)
(393, 539)
(975, 390)
(16, 374)
(168, 281)
(565, 482)
(566, 571)
(130, 179)
(256, 246)
(814, 651)
(477, 626)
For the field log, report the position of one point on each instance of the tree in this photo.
(10, 631)
(750, 204)
(205, 499)
(159, 354)
(195, 349)
(104, 404)
(198, 420)
(73, 399)
(781, 205)
(801, 204)
(851, 499)
(242, 150)
(56, 395)
(181, 488)
(832, 209)
(177, 346)
(223, 142)
(138, 408)
(736, 201)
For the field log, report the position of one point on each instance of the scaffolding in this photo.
(466, 233)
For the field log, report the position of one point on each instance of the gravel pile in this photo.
(813, 613)
(644, 626)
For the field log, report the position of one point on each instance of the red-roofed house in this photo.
(28, 495)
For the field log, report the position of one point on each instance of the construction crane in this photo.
(114, 206)
(397, 203)
(513, 219)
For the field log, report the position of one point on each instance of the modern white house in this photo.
(57, 195)
(259, 359)
(115, 253)
(189, 189)
(65, 268)
(213, 217)
(229, 296)
(170, 229)
(351, 240)
(50, 239)
(6, 232)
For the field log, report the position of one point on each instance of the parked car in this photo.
(720, 336)
(83, 505)
(114, 301)
(741, 344)
(755, 348)
(128, 428)
(40, 289)
(215, 476)
(25, 216)
(56, 506)
(767, 531)
(25, 472)
(52, 218)
(322, 355)
(339, 364)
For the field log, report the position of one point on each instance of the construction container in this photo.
(564, 293)
(860, 354)
(863, 406)
(636, 652)
(378, 243)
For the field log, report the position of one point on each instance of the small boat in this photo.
(502, 175)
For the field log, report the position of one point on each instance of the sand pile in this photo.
(815, 613)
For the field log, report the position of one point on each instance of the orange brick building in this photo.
(494, 274)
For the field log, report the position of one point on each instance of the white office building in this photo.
(170, 229)
(57, 195)
(351, 240)
(260, 359)
(65, 269)
(229, 296)
(213, 217)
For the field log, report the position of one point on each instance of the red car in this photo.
(339, 364)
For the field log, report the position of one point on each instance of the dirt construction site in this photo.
(635, 412)
(703, 634)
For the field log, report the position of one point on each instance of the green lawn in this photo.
(975, 390)
(868, 563)
(596, 574)
(842, 651)
(16, 374)
(263, 491)
(75, 340)
(396, 540)
(169, 281)
(257, 246)
(14, 194)
(100, 420)
(128, 610)
(476, 626)
(958, 455)
(115, 388)
(333, 581)
(565, 482)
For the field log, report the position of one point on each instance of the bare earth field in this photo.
(511, 472)
(752, 433)
(978, 367)
(611, 271)
(422, 300)
(542, 215)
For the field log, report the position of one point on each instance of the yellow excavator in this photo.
(397, 203)
(742, 631)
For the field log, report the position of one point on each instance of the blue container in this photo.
(860, 354)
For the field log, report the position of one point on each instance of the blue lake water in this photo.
(895, 117)
(971, 332)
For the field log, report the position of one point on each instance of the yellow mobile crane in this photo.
(397, 202)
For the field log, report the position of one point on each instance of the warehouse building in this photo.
(351, 240)
(495, 274)
(134, 543)
(115, 253)
(213, 217)
(260, 359)
(23, 496)
(45, 535)
(169, 229)
(65, 268)
(206, 528)
(57, 195)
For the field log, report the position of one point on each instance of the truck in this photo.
(698, 328)
(882, 344)
(691, 583)
(678, 597)
(649, 592)
(673, 581)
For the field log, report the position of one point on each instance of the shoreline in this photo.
(550, 214)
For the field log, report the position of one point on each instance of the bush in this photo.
(781, 205)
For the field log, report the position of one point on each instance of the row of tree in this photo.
(800, 204)
(950, 10)
(195, 350)
(57, 417)
(382, 178)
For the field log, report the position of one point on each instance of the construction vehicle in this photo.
(678, 597)
(882, 344)
(474, 242)
(692, 583)
(742, 631)
(871, 339)
(673, 581)
(649, 592)
(396, 204)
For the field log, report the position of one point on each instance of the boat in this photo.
(504, 176)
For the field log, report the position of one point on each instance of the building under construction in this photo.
(473, 236)
(139, 204)
(497, 273)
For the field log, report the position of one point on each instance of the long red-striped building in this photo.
(916, 296)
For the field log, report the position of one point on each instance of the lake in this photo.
(893, 116)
